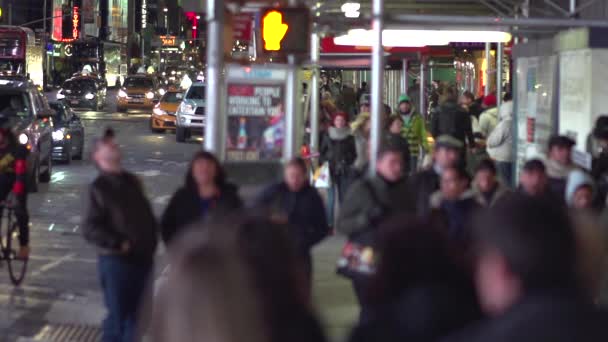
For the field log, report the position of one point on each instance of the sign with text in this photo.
(242, 24)
(255, 114)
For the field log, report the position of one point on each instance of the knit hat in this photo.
(404, 98)
(448, 141)
(489, 100)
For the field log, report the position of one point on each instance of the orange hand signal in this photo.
(274, 30)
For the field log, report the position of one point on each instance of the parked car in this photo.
(138, 92)
(163, 114)
(191, 113)
(68, 134)
(83, 92)
(28, 115)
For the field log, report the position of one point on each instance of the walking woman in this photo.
(204, 193)
(338, 149)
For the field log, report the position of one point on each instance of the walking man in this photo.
(120, 223)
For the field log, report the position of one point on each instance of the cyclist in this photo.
(13, 170)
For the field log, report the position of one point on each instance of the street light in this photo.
(166, 28)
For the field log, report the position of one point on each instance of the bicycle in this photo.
(9, 243)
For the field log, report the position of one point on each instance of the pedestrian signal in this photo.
(285, 30)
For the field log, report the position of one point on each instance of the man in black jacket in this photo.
(448, 151)
(120, 223)
(527, 277)
(296, 203)
(453, 120)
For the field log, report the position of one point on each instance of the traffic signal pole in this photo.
(214, 130)
(377, 103)
(314, 93)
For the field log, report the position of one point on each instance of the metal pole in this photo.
(404, 72)
(486, 90)
(377, 108)
(213, 141)
(572, 8)
(449, 20)
(422, 89)
(289, 149)
(499, 74)
(315, 54)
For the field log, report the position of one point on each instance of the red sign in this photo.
(531, 129)
(57, 24)
(75, 22)
(242, 26)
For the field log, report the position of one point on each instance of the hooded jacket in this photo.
(338, 148)
(488, 121)
(500, 142)
(414, 131)
(576, 179)
(453, 120)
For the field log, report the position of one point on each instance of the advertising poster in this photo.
(256, 122)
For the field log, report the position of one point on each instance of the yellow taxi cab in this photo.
(138, 92)
(163, 113)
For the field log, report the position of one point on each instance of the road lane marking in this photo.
(52, 264)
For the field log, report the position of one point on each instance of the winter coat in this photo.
(361, 142)
(414, 131)
(499, 193)
(304, 210)
(118, 212)
(338, 148)
(371, 200)
(455, 121)
(556, 315)
(424, 184)
(458, 214)
(576, 179)
(398, 142)
(488, 121)
(500, 142)
(185, 208)
(558, 175)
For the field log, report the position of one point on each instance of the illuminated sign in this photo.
(144, 13)
(283, 28)
(75, 22)
(168, 40)
(68, 50)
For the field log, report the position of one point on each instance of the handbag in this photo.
(359, 257)
(322, 177)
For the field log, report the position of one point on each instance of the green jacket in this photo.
(414, 131)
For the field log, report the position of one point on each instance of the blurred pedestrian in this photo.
(370, 201)
(339, 150)
(527, 277)
(559, 163)
(364, 104)
(500, 142)
(456, 202)
(423, 184)
(120, 223)
(420, 293)
(361, 128)
(414, 131)
(467, 101)
(395, 140)
(599, 151)
(452, 119)
(488, 189)
(579, 191)
(296, 203)
(205, 192)
(363, 89)
(489, 117)
(533, 182)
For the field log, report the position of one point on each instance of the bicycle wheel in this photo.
(16, 267)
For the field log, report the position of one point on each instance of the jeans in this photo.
(505, 171)
(361, 287)
(124, 284)
(337, 189)
(413, 167)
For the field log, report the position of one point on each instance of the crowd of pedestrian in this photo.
(450, 251)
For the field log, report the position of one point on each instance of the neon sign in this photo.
(144, 14)
(75, 22)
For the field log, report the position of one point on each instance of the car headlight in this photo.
(58, 135)
(60, 96)
(158, 111)
(150, 95)
(89, 96)
(186, 108)
(161, 91)
(122, 93)
(23, 139)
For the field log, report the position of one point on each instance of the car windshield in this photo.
(14, 104)
(138, 82)
(172, 97)
(196, 93)
(60, 112)
(79, 84)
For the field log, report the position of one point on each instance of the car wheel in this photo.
(45, 177)
(180, 134)
(33, 180)
(68, 156)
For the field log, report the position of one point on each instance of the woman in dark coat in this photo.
(395, 140)
(205, 192)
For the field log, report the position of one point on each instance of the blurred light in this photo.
(165, 10)
(23, 138)
(417, 38)
(351, 9)
(89, 96)
(150, 95)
